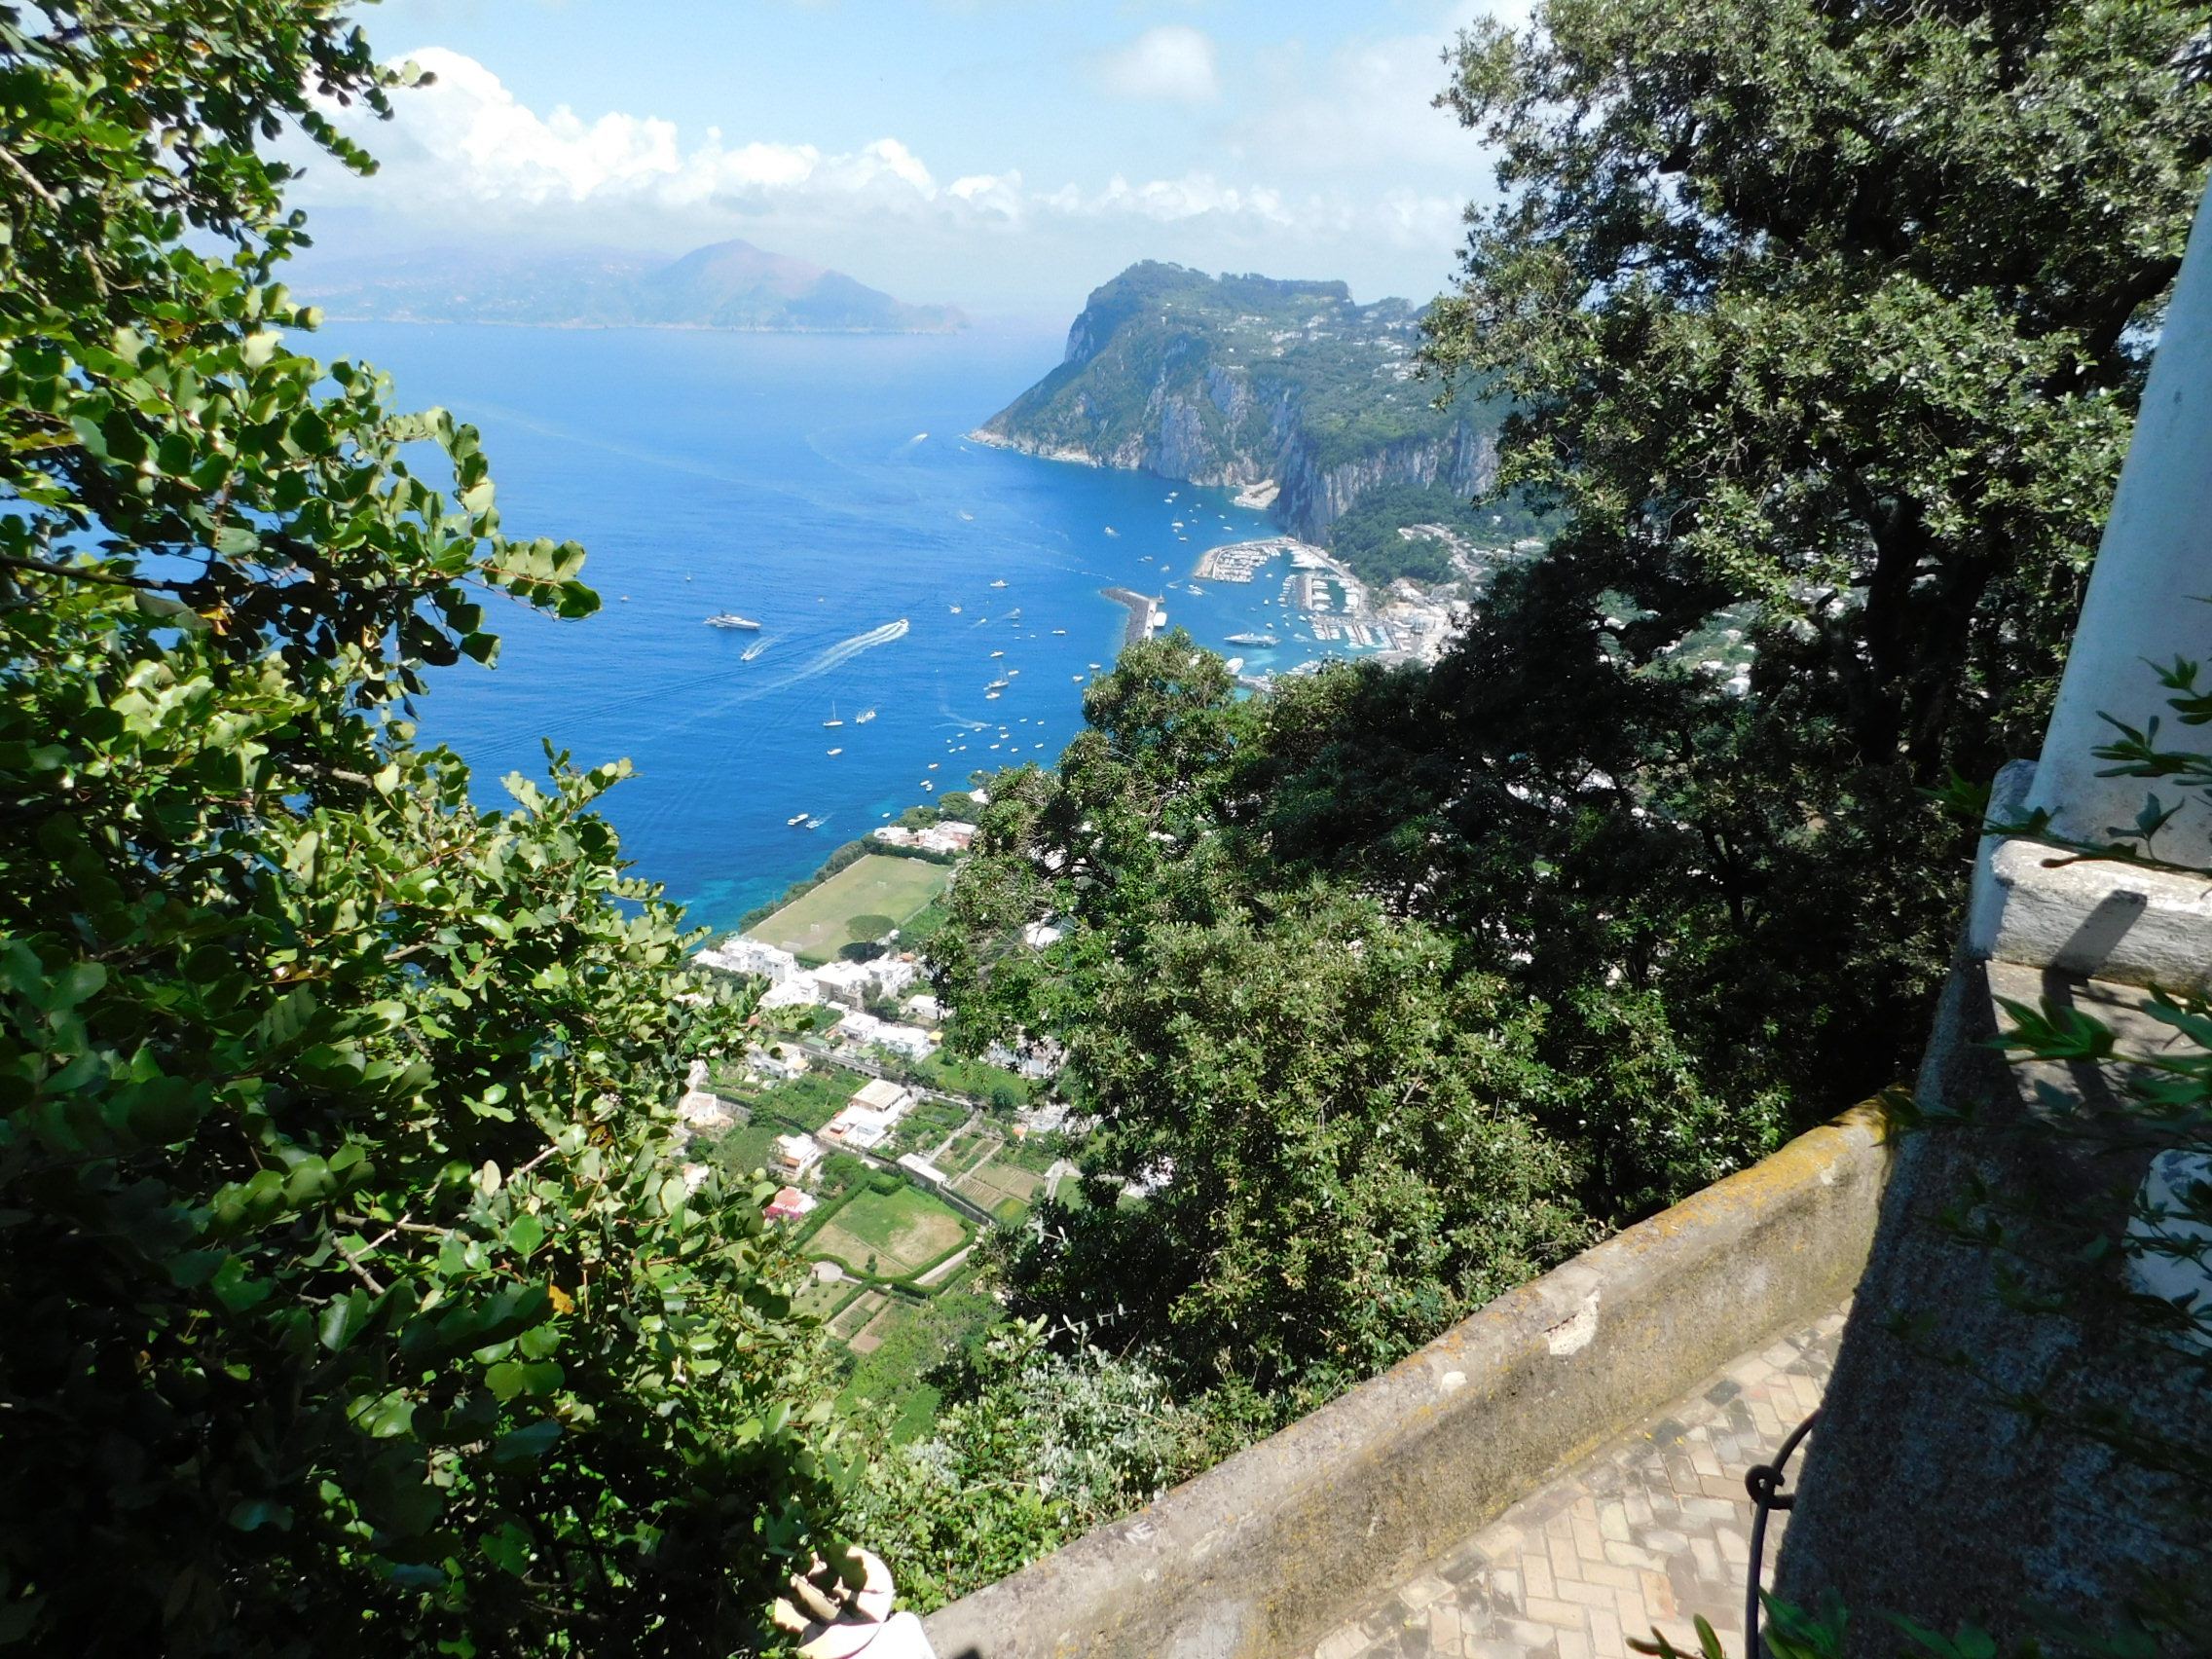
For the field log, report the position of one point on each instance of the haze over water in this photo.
(787, 478)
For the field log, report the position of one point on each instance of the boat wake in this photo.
(844, 650)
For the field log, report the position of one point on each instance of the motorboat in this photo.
(795, 820)
(863, 716)
(731, 620)
(837, 751)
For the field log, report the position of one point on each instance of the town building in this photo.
(949, 836)
(865, 1030)
(738, 954)
(782, 1062)
(788, 1204)
(868, 1119)
(797, 1155)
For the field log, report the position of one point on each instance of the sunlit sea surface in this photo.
(820, 484)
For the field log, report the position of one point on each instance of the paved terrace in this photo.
(1645, 1534)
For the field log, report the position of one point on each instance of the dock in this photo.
(1140, 607)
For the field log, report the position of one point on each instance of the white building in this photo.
(797, 1155)
(846, 983)
(850, 985)
(700, 1107)
(792, 993)
(870, 1116)
(923, 1168)
(865, 1030)
(949, 836)
(783, 1063)
(738, 954)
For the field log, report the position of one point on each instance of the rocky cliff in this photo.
(1242, 380)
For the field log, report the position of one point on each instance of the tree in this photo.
(1315, 1143)
(352, 1298)
(1828, 324)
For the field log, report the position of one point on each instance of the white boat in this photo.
(998, 654)
(1012, 672)
(832, 720)
(988, 696)
(927, 785)
(837, 751)
(1001, 582)
(1253, 640)
(956, 609)
(863, 716)
(1059, 630)
(754, 649)
(795, 820)
(731, 620)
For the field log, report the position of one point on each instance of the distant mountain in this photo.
(729, 284)
(1287, 388)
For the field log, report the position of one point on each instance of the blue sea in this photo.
(820, 485)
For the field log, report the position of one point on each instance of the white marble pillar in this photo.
(2148, 595)
(2147, 604)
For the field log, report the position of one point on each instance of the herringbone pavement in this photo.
(1645, 1534)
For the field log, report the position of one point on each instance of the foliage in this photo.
(1367, 540)
(353, 1299)
(1836, 316)
(1330, 1124)
(1192, 376)
(1035, 1448)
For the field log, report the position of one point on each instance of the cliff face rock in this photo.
(1242, 379)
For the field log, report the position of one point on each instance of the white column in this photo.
(2148, 592)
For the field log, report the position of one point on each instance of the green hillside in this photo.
(1248, 380)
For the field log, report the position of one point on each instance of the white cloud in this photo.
(1370, 104)
(466, 158)
(1173, 63)
(467, 142)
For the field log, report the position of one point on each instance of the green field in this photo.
(816, 925)
(901, 1231)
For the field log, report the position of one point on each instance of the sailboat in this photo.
(832, 720)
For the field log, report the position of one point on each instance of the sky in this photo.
(1006, 156)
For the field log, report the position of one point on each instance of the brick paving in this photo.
(1645, 1534)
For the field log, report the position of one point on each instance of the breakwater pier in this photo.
(1140, 606)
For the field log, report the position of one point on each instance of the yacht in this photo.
(731, 620)
(1253, 640)
(794, 821)
(832, 720)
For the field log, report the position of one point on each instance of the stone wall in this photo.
(1263, 1554)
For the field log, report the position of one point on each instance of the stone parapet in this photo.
(1264, 1553)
